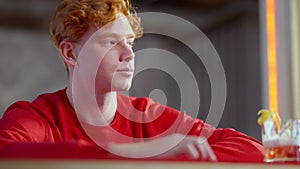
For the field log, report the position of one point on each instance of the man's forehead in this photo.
(120, 27)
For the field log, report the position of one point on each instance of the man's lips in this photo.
(128, 72)
(125, 70)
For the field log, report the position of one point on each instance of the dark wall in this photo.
(233, 28)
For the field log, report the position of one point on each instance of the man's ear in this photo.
(67, 52)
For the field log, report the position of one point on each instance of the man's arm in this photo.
(174, 146)
(231, 145)
(227, 144)
(27, 136)
(78, 149)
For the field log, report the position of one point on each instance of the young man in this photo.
(89, 119)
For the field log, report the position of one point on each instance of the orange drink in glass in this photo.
(281, 145)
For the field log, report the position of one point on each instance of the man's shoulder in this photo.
(50, 97)
(141, 103)
(145, 104)
(134, 99)
(40, 104)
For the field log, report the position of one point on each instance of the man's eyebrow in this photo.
(116, 35)
(130, 36)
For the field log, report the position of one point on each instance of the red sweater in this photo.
(48, 127)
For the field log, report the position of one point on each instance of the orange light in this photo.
(272, 60)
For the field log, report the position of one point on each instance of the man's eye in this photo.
(112, 42)
(131, 43)
(109, 42)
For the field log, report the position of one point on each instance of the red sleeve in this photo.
(24, 134)
(18, 125)
(16, 142)
(76, 149)
(233, 146)
(228, 144)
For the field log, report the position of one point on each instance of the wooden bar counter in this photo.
(131, 164)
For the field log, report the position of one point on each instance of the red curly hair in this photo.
(74, 17)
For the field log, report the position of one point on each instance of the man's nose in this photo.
(127, 53)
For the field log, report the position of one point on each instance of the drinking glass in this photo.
(281, 144)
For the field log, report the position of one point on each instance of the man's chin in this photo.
(124, 88)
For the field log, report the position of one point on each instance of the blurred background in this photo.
(30, 65)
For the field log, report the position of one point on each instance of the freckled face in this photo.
(109, 49)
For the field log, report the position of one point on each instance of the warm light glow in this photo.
(272, 60)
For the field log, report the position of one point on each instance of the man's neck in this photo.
(107, 103)
(101, 113)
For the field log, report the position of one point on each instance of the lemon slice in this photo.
(265, 115)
